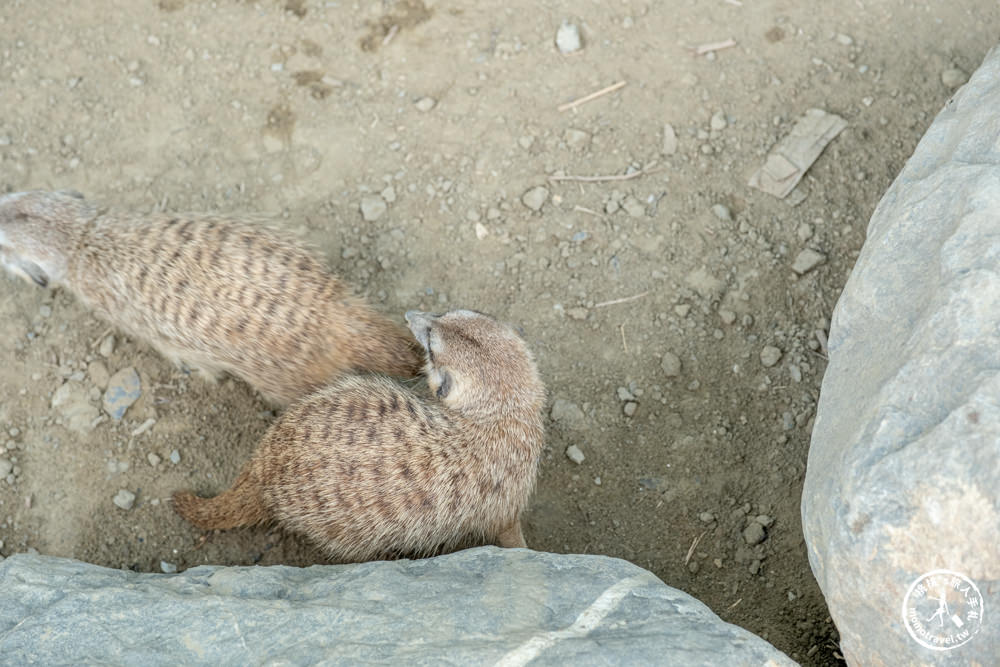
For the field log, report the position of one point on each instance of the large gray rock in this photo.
(904, 466)
(482, 606)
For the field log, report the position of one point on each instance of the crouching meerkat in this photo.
(213, 293)
(366, 469)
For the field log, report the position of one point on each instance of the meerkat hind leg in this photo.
(511, 537)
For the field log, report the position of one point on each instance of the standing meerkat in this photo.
(214, 293)
(366, 469)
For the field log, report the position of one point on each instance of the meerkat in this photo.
(212, 293)
(366, 469)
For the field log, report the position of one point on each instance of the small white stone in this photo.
(718, 121)
(167, 568)
(722, 212)
(844, 40)
(373, 207)
(425, 104)
(568, 38)
(175, 457)
(481, 231)
(153, 459)
(107, 346)
(574, 454)
(124, 499)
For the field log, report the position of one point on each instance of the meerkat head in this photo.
(36, 231)
(475, 362)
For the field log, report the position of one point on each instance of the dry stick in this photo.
(621, 327)
(694, 545)
(598, 179)
(584, 209)
(714, 46)
(593, 96)
(100, 339)
(622, 300)
(733, 605)
(389, 35)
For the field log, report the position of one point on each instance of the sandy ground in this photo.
(447, 111)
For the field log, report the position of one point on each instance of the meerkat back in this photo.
(216, 293)
(367, 469)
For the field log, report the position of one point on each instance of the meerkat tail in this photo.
(239, 506)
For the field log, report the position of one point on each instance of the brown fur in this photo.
(215, 293)
(366, 469)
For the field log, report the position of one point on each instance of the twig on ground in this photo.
(694, 545)
(584, 209)
(389, 35)
(593, 96)
(599, 179)
(733, 605)
(621, 327)
(713, 46)
(625, 299)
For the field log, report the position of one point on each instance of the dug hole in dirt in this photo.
(413, 144)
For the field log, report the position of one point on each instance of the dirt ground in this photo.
(447, 111)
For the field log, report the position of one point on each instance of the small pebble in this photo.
(107, 346)
(727, 316)
(535, 198)
(718, 121)
(425, 104)
(769, 356)
(669, 139)
(754, 533)
(481, 231)
(124, 389)
(5, 467)
(124, 499)
(175, 457)
(706, 517)
(764, 520)
(167, 568)
(671, 364)
(630, 408)
(45, 310)
(373, 207)
(807, 260)
(153, 459)
(574, 454)
(568, 38)
(722, 212)
(953, 77)
(844, 40)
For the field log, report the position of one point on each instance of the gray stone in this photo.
(671, 364)
(167, 568)
(5, 467)
(567, 414)
(535, 198)
(718, 121)
(487, 606)
(124, 499)
(769, 356)
(629, 408)
(425, 104)
(373, 207)
(568, 38)
(754, 533)
(575, 454)
(123, 390)
(576, 139)
(175, 457)
(71, 402)
(807, 260)
(903, 473)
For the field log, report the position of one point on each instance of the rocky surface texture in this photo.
(481, 606)
(904, 466)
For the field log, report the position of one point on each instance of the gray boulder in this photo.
(481, 606)
(900, 508)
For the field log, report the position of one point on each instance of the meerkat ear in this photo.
(28, 269)
(445, 387)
